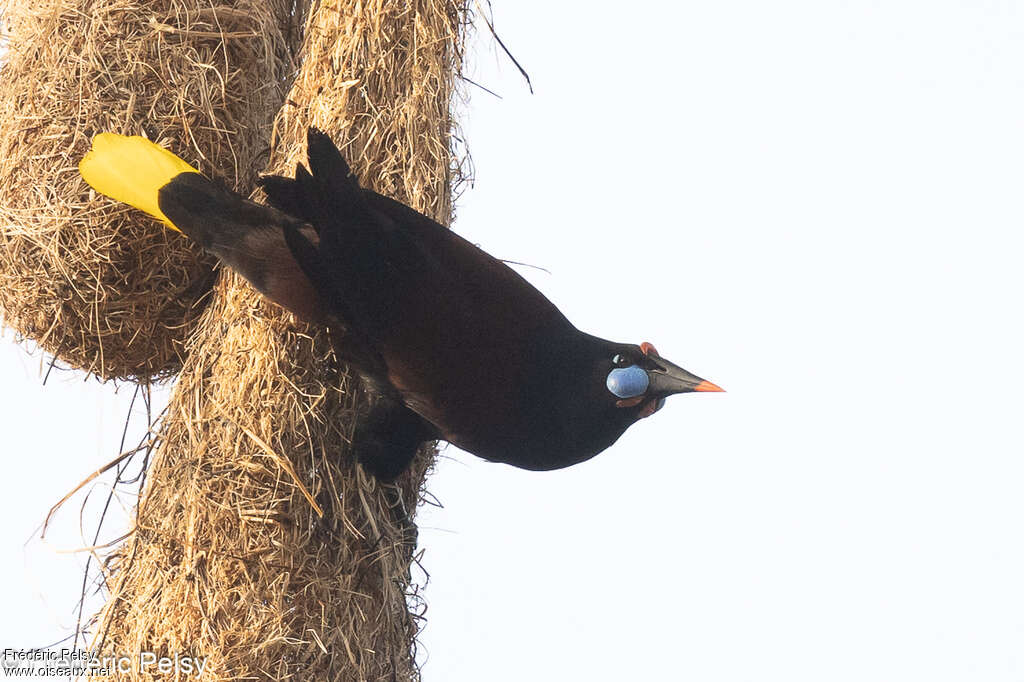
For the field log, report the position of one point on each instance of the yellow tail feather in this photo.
(131, 170)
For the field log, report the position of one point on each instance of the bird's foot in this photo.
(387, 438)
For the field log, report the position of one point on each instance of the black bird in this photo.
(457, 345)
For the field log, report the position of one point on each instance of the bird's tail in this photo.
(139, 173)
(245, 236)
(132, 170)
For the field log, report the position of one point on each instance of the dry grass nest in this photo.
(230, 558)
(96, 284)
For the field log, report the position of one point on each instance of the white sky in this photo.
(816, 205)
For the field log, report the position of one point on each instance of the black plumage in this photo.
(456, 345)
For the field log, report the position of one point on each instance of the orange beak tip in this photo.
(708, 387)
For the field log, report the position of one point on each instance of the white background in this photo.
(816, 205)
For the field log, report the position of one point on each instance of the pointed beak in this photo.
(668, 378)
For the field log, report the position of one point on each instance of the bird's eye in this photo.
(621, 360)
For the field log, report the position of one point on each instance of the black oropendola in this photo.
(457, 345)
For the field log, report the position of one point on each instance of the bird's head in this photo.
(638, 379)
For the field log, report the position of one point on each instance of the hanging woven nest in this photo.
(96, 284)
(260, 545)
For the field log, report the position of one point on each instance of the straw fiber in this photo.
(98, 285)
(230, 558)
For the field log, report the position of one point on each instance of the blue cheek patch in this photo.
(628, 382)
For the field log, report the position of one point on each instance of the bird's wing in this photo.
(376, 248)
(457, 329)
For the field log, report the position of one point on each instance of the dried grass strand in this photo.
(229, 560)
(100, 286)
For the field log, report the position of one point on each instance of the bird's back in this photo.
(463, 337)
